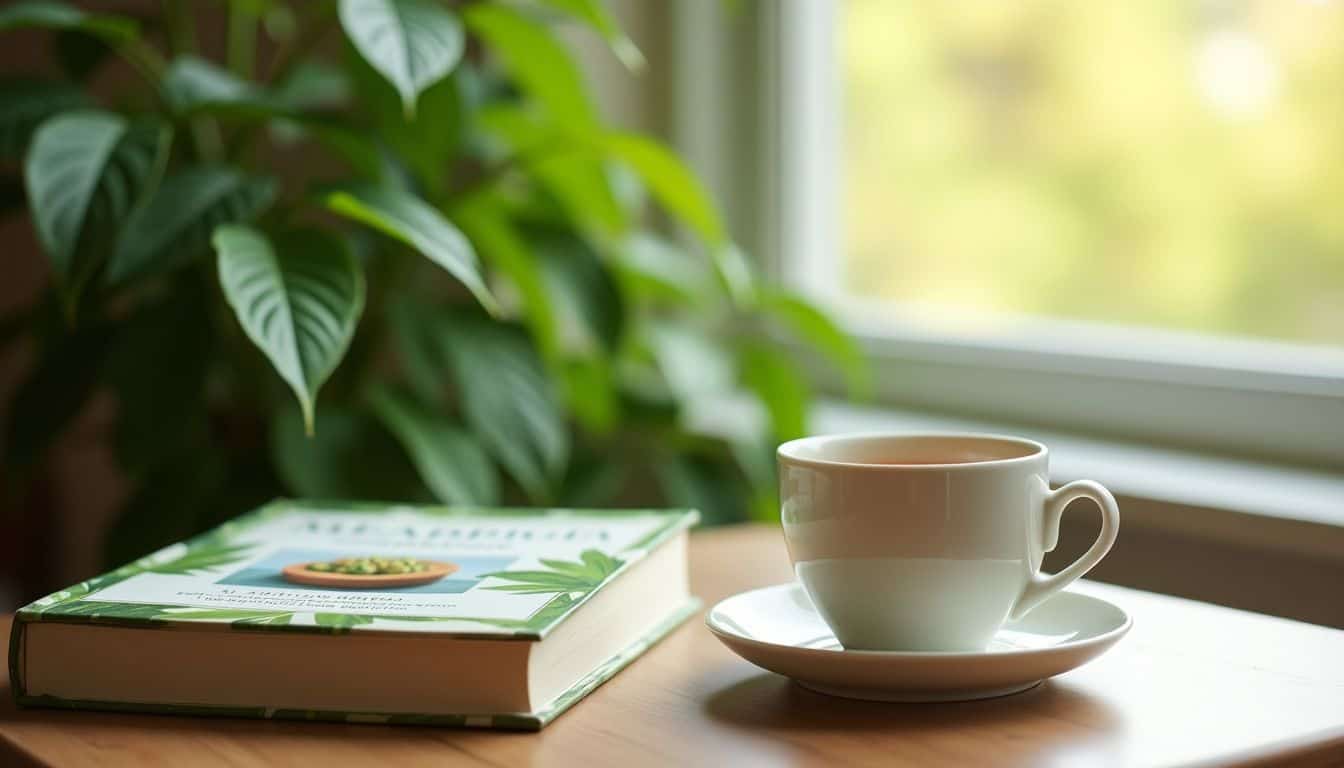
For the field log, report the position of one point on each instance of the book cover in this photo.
(339, 567)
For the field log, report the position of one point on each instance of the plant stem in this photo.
(144, 60)
(311, 31)
(242, 40)
(206, 136)
(489, 177)
(181, 32)
(150, 65)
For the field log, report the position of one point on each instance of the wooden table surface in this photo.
(1192, 683)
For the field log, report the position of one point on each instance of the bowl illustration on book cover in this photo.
(369, 572)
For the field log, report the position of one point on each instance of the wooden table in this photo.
(1193, 683)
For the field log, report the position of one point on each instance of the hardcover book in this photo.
(365, 613)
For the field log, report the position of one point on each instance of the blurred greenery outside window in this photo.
(1149, 163)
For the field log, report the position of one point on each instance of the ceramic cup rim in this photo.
(789, 451)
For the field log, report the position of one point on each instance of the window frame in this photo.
(1265, 400)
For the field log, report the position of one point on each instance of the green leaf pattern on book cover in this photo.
(564, 583)
(569, 581)
(563, 577)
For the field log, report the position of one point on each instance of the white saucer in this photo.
(777, 628)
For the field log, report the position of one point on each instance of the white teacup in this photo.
(927, 542)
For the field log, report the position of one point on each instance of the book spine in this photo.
(17, 687)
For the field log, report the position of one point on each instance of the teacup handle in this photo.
(1043, 586)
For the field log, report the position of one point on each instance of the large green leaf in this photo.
(25, 103)
(579, 183)
(192, 83)
(775, 379)
(174, 225)
(562, 160)
(585, 311)
(671, 183)
(590, 392)
(448, 458)
(425, 141)
(84, 171)
(693, 362)
(406, 217)
(298, 300)
(539, 63)
(293, 109)
(508, 402)
(412, 43)
(588, 303)
(682, 195)
(517, 128)
(46, 14)
(413, 337)
(656, 268)
(734, 273)
(819, 330)
(490, 227)
(313, 85)
(597, 16)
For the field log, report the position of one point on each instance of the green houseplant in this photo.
(384, 249)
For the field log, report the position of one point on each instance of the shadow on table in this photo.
(769, 702)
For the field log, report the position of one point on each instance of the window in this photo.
(1146, 163)
(1124, 218)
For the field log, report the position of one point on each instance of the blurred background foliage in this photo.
(1152, 163)
(381, 249)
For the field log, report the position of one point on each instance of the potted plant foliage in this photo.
(381, 249)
